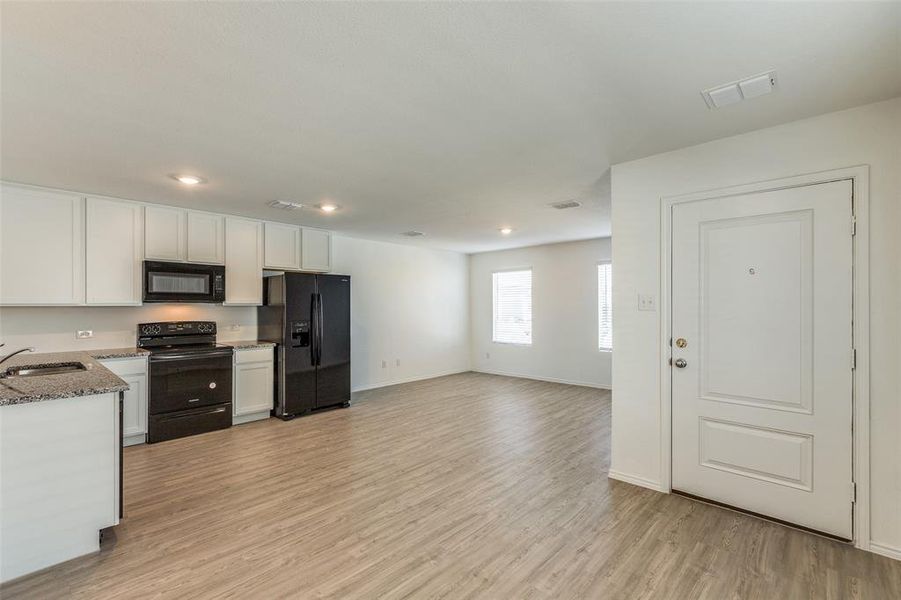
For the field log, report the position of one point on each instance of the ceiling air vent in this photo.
(285, 205)
(566, 204)
(744, 89)
(413, 233)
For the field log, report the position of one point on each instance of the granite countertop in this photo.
(108, 353)
(250, 344)
(96, 379)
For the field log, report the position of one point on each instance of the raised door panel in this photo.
(206, 238)
(282, 246)
(317, 250)
(164, 233)
(253, 388)
(243, 261)
(41, 247)
(114, 243)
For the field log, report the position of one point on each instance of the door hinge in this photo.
(853, 358)
(853, 492)
(853, 225)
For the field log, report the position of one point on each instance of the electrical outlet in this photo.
(647, 302)
(235, 327)
(83, 334)
(384, 364)
(487, 355)
(397, 362)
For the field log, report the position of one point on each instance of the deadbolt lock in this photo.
(681, 342)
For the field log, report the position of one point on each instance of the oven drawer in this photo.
(189, 422)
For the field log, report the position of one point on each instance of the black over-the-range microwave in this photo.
(183, 282)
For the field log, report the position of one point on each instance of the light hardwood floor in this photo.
(467, 486)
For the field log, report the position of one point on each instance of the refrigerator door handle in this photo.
(314, 329)
(319, 329)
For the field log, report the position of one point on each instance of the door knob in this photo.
(680, 363)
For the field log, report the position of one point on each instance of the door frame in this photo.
(860, 395)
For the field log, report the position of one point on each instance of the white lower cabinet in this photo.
(253, 386)
(134, 372)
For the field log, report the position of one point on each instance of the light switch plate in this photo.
(647, 302)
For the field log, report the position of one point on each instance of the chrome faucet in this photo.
(9, 356)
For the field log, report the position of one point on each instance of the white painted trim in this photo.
(636, 480)
(134, 439)
(885, 550)
(860, 176)
(247, 418)
(382, 384)
(548, 379)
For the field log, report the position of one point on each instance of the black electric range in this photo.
(190, 387)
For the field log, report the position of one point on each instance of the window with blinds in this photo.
(605, 307)
(512, 322)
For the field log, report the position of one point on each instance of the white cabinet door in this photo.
(135, 409)
(253, 385)
(134, 372)
(317, 250)
(282, 247)
(206, 238)
(41, 247)
(114, 250)
(243, 261)
(164, 233)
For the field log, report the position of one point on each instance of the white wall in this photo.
(868, 135)
(409, 307)
(52, 328)
(564, 314)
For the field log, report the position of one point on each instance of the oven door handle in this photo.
(190, 355)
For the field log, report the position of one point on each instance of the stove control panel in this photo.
(171, 328)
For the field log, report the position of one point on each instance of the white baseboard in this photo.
(885, 550)
(131, 440)
(636, 480)
(598, 386)
(241, 419)
(382, 384)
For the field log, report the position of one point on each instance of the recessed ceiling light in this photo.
(506, 230)
(327, 207)
(188, 179)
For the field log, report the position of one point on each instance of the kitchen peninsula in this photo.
(60, 458)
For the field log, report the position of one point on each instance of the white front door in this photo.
(761, 317)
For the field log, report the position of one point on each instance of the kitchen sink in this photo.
(35, 370)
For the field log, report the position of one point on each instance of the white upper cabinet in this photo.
(41, 247)
(243, 261)
(184, 235)
(165, 233)
(114, 243)
(206, 238)
(282, 246)
(316, 250)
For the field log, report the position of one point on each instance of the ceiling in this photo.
(451, 119)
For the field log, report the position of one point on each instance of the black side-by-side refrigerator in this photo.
(308, 316)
